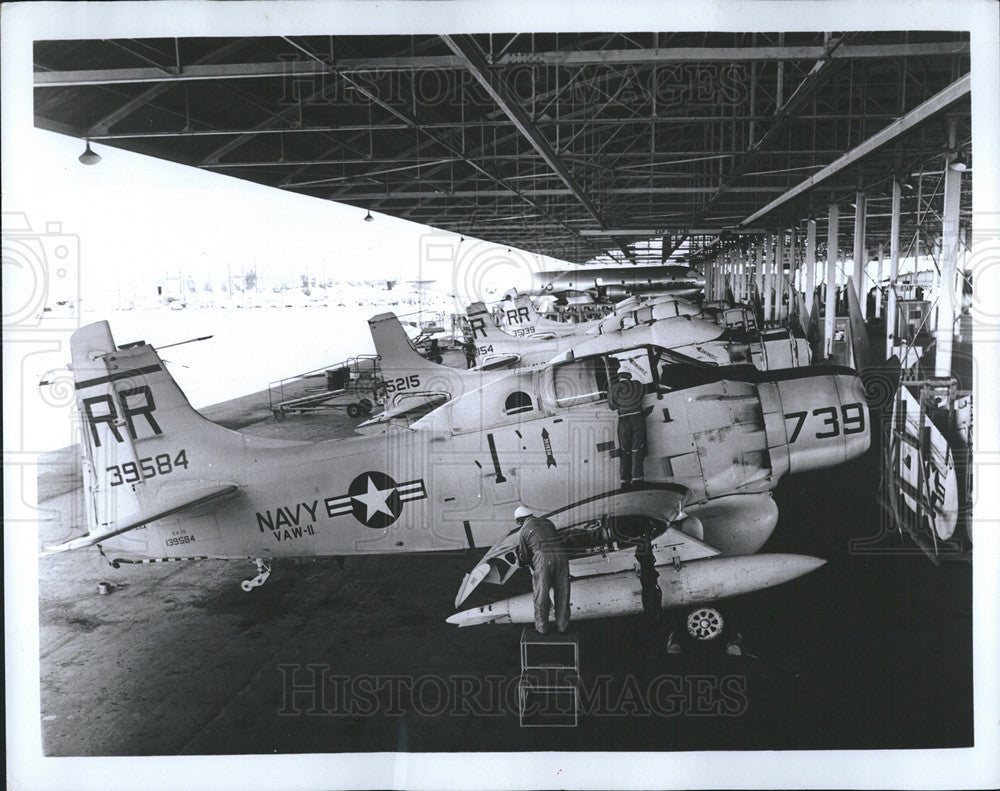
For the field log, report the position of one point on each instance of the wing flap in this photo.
(166, 507)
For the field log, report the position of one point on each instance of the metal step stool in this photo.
(548, 694)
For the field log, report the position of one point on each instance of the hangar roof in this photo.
(574, 145)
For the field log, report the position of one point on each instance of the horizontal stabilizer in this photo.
(410, 408)
(166, 507)
(497, 362)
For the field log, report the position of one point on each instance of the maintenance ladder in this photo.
(548, 691)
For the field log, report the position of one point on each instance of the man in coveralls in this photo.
(656, 622)
(540, 548)
(625, 395)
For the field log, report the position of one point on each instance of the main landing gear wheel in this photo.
(353, 410)
(705, 623)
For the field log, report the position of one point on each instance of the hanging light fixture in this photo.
(88, 157)
(368, 217)
(960, 163)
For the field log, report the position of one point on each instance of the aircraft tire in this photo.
(353, 410)
(704, 624)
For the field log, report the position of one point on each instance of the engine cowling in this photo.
(814, 421)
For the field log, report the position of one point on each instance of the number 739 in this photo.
(849, 420)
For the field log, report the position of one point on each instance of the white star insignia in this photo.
(375, 500)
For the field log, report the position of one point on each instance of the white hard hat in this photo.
(523, 511)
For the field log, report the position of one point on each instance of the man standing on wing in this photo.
(625, 396)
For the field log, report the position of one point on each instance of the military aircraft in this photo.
(162, 482)
(413, 384)
(618, 282)
(494, 346)
(680, 326)
(520, 318)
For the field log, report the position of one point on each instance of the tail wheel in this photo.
(353, 410)
(705, 623)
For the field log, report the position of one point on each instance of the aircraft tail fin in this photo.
(144, 447)
(860, 346)
(526, 309)
(814, 331)
(397, 354)
(802, 314)
(484, 329)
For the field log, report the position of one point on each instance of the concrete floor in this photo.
(873, 650)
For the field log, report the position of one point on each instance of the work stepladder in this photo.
(548, 690)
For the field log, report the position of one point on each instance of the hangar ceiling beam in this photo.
(957, 90)
(626, 57)
(466, 48)
(539, 192)
(415, 124)
(102, 126)
(813, 81)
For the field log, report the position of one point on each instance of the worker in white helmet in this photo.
(540, 548)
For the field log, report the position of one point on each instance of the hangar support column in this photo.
(780, 286)
(758, 273)
(723, 274)
(860, 217)
(768, 275)
(791, 288)
(890, 306)
(810, 263)
(878, 280)
(831, 278)
(741, 274)
(727, 269)
(949, 257)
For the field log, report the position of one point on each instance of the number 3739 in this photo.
(849, 420)
(133, 472)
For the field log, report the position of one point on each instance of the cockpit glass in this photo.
(635, 361)
(586, 380)
(580, 382)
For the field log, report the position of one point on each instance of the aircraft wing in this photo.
(604, 562)
(414, 407)
(599, 543)
(497, 566)
(165, 506)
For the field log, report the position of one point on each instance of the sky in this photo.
(140, 220)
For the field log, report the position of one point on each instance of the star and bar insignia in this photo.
(375, 499)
